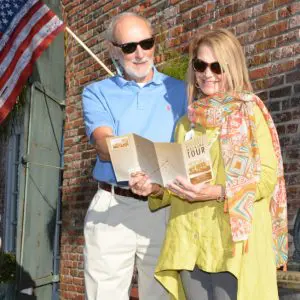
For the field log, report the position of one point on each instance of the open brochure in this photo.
(162, 162)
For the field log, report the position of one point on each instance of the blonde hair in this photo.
(230, 56)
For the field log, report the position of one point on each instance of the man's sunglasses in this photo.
(200, 66)
(131, 47)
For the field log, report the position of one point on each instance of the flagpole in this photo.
(89, 51)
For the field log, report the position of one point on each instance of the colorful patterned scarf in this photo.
(234, 115)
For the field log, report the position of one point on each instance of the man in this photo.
(119, 228)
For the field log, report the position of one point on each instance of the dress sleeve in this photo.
(268, 176)
(95, 111)
(157, 203)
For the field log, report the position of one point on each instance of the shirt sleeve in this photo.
(268, 176)
(95, 111)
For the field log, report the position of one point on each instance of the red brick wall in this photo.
(269, 31)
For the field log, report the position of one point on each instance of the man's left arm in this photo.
(98, 121)
(99, 135)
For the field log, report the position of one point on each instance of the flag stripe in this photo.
(15, 87)
(17, 19)
(20, 32)
(26, 30)
(25, 58)
(33, 35)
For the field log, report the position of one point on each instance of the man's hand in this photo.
(100, 134)
(141, 184)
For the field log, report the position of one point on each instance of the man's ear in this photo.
(114, 55)
(112, 50)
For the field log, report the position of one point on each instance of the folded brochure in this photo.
(162, 162)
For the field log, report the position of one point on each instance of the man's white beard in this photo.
(133, 73)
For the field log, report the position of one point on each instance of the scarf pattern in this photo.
(234, 115)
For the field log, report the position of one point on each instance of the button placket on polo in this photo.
(137, 91)
(139, 100)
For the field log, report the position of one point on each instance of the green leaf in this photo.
(176, 66)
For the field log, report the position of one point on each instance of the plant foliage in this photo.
(14, 115)
(7, 267)
(176, 67)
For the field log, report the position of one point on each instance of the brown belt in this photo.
(121, 192)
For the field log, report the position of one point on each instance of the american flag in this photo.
(27, 27)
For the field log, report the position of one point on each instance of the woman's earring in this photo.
(197, 85)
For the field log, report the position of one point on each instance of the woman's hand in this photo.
(195, 192)
(141, 184)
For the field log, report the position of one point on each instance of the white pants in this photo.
(120, 231)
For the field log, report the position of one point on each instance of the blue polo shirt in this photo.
(150, 111)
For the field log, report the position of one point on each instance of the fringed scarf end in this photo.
(285, 267)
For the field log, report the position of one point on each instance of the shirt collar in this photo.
(156, 79)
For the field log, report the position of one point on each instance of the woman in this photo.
(221, 235)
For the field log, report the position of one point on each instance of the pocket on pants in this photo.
(98, 209)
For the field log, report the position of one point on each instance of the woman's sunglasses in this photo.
(131, 47)
(200, 66)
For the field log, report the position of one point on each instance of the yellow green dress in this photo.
(199, 233)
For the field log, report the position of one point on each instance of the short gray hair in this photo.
(109, 34)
